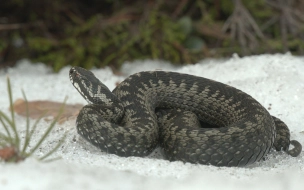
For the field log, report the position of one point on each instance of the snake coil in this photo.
(193, 119)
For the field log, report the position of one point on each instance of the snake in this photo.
(193, 119)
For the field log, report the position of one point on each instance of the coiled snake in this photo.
(193, 119)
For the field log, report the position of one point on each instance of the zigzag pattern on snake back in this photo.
(193, 119)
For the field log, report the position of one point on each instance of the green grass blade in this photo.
(2, 145)
(49, 129)
(5, 117)
(4, 126)
(13, 124)
(55, 148)
(27, 137)
(13, 140)
(4, 139)
(52, 159)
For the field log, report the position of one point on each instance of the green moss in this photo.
(40, 44)
(100, 33)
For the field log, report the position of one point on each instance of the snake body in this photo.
(193, 119)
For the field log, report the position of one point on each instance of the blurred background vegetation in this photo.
(97, 33)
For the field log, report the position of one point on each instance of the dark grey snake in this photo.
(193, 119)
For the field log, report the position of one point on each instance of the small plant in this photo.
(11, 148)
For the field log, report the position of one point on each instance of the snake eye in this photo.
(71, 71)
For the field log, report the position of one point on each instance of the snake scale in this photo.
(193, 119)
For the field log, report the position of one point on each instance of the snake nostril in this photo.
(73, 72)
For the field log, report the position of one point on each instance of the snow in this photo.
(276, 81)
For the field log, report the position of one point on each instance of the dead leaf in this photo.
(212, 30)
(7, 153)
(48, 108)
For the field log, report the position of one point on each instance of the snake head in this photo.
(91, 89)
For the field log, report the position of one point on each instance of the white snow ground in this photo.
(276, 81)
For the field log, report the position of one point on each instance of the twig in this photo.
(12, 26)
(243, 27)
(289, 17)
(179, 8)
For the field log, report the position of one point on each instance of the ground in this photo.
(276, 81)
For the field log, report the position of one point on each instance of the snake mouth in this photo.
(89, 87)
(73, 74)
(75, 78)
